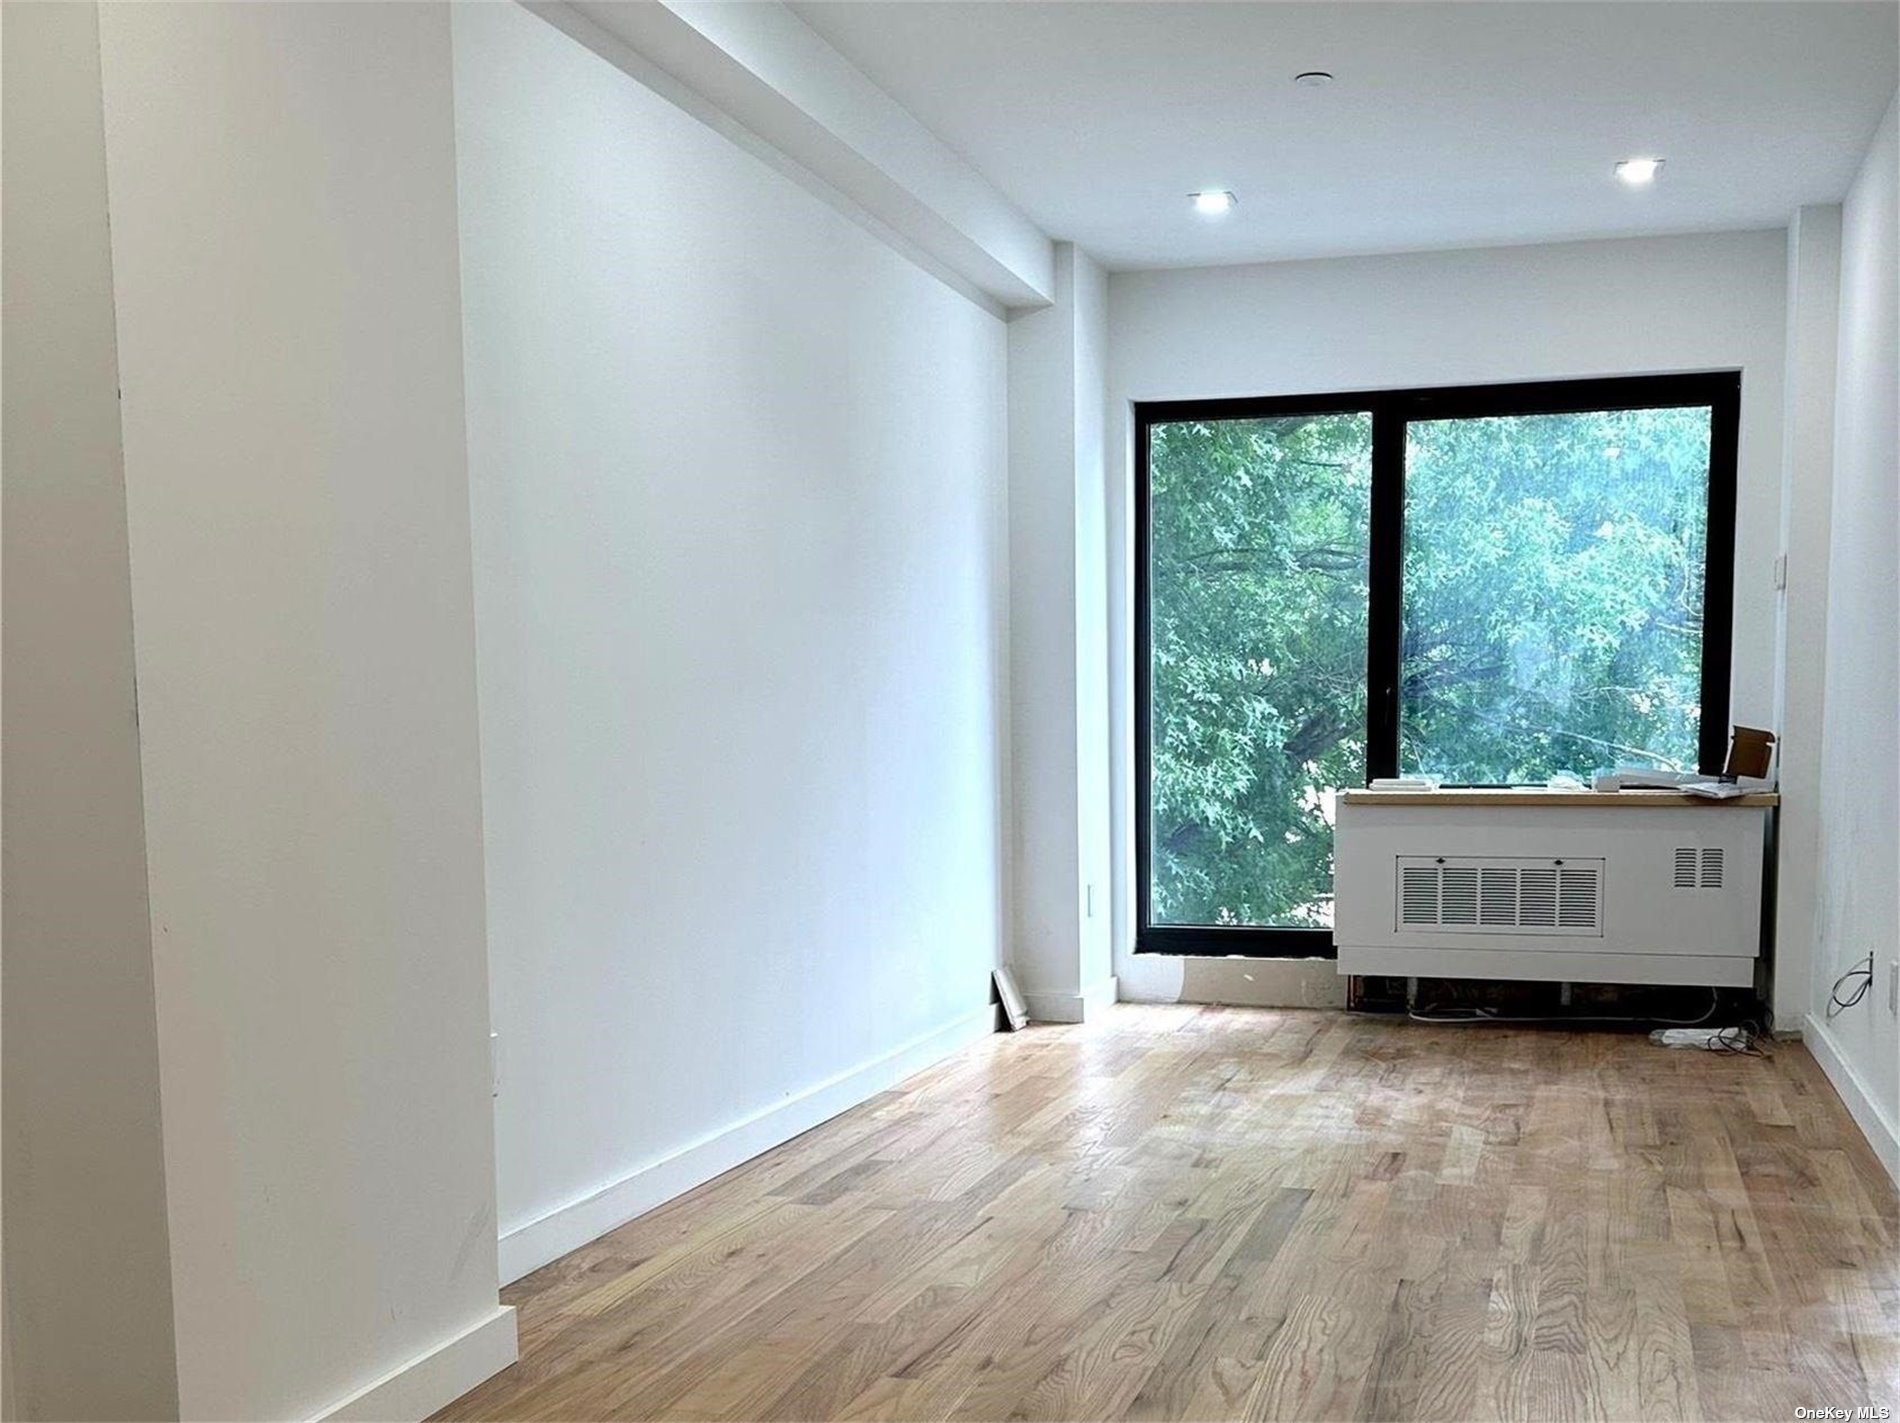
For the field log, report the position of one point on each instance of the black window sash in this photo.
(1719, 391)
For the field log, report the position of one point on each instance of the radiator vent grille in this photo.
(1701, 869)
(1466, 895)
(1418, 894)
(1577, 905)
(1458, 895)
(1537, 898)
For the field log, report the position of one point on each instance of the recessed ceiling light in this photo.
(1638, 171)
(1313, 79)
(1213, 202)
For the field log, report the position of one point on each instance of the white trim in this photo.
(1060, 1007)
(1860, 1103)
(529, 1247)
(436, 1377)
(1047, 1007)
(1550, 965)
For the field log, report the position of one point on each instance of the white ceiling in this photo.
(1449, 125)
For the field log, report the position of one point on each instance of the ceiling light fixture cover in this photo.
(1213, 202)
(1637, 171)
(1313, 79)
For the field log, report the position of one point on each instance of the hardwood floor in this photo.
(1247, 1213)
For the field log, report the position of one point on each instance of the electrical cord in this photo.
(1744, 1039)
(1484, 1015)
(1865, 973)
(1737, 1039)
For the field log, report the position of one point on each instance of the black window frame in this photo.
(1720, 391)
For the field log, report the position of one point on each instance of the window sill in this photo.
(1540, 796)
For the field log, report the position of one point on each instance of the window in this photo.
(1260, 532)
(1490, 583)
(1552, 598)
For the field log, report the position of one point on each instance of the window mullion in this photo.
(1386, 582)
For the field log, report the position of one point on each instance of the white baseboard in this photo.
(1052, 1007)
(1047, 1007)
(528, 1247)
(1860, 1103)
(435, 1377)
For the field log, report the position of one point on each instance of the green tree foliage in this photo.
(1259, 532)
(1553, 593)
(1552, 621)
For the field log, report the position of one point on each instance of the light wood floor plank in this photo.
(1197, 1213)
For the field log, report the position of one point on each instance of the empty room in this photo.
(950, 709)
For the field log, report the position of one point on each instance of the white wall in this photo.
(1860, 749)
(762, 70)
(1807, 477)
(1058, 647)
(1447, 318)
(738, 481)
(88, 1270)
(282, 192)
(1093, 788)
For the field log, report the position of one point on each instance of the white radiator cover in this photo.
(1623, 893)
